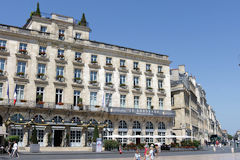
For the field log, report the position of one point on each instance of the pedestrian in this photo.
(120, 149)
(145, 149)
(152, 154)
(15, 150)
(147, 156)
(9, 148)
(137, 155)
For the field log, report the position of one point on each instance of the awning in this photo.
(2, 133)
(147, 136)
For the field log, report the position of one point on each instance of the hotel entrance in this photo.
(58, 138)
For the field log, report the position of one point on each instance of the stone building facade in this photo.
(194, 117)
(65, 84)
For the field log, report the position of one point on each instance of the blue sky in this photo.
(204, 35)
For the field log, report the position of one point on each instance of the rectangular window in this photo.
(20, 92)
(159, 69)
(40, 135)
(3, 44)
(61, 34)
(22, 47)
(108, 61)
(93, 59)
(108, 99)
(161, 103)
(149, 102)
(122, 79)
(122, 100)
(93, 76)
(148, 67)
(149, 140)
(93, 98)
(160, 84)
(148, 84)
(77, 73)
(135, 81)
(108, 78)
(78, 56)
(78, 36)
(43, 29)
(21, 67)
(135, 65)
(41, 68)
(42, 50)
(60, 71)
(1, 90)
(60, 54)
(2, 64)
(75, 137)
(122, 63)
(39, 94)
(136, 101)
(59, 96)
(172, 100)
(76, 98)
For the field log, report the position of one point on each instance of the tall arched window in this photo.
(109, 123)
(93, 121)
(149, 125)
(75, 120)
(136, 125)
(161, 125)
(17, 118)
(122, 124)
(1, 120)
(38, 119)
(57, 119)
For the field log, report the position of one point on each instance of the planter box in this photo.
(34, 148)
(94, 146)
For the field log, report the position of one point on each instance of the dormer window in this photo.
(61, 34)
(78, 36)
(43, 29)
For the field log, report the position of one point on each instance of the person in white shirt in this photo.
(151, 153)
(15, 149)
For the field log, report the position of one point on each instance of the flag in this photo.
(8, 92)
(15, 95)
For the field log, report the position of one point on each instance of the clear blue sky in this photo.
(204, 35)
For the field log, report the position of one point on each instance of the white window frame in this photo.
(136, 101)
(122, 100)
(93, 98)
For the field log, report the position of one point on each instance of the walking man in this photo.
(15, 149)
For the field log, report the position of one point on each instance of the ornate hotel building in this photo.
(194, 117)
(65, 84)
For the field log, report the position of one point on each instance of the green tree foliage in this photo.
(83, 21)
(12, 138)
(34, 136)
(110, 144)
(95, 133)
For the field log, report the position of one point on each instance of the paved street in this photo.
(220, 154)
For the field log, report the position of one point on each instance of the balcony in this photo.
(136, 71)
(61, 59)
(109, 67)
(93, 85)
(161, 92)
(78, 62)
(94, 65)
(109, 86)
(41, 79)
(148, 73)
(22, 53)
(123, 88)
(149, 91)
(140, 112)
(61, 36)
(137, 89)
(42, 56)
(60, 78)
(3, 51)
(160, 75)
(123, 69)
(77, 83)
(21, 77)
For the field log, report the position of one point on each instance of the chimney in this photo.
(181, 69)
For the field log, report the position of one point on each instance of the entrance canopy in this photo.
(147, 136)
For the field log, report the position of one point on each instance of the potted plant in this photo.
(34, 147)
(2, 47)
(95, 136)
(97, 106)
(109, 64)
(23, 100)
(1, 99)
(60, 78)
(60, 103)
(78, 79)
(94, 62)
(93, 82)
(152, 107)
(21, 74)
(42, 53)
(61, 56)
(79, 59)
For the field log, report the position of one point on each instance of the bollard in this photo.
(232, 149)
(214, 149)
